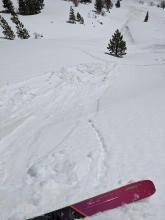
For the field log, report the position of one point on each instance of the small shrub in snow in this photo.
(146, 17)
(37, 35)
(7, 31)
(117, 46)
(78, 17)
(117, 4)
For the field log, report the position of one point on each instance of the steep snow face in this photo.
(74, 121)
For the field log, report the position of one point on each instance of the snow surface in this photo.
(74, 121)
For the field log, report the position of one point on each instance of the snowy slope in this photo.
(75, 121)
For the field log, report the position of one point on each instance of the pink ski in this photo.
(106, 201)
(115, 198)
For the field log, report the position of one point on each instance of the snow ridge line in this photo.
(103, 166)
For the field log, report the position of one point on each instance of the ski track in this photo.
(56, 147)
(104, 152)
(44, 101)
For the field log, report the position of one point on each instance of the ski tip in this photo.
(151, 185)
(148, 185)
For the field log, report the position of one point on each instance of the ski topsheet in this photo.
(109, 200)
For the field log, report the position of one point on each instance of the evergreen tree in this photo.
(78, 17)
(162, 4)
(146, 17)
(99, 6)
(37, 6)
(72, 18)
(21, 30)
(23, 9)
(33, 7)
(117, 4)
(117, 46)
(30, 7)
(8, 5)
(7, 31)
(108, 4)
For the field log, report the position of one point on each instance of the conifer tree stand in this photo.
(117, 46)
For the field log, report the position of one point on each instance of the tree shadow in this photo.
(5, 38)
(8, 12)
(114, 55)
(5, 11)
